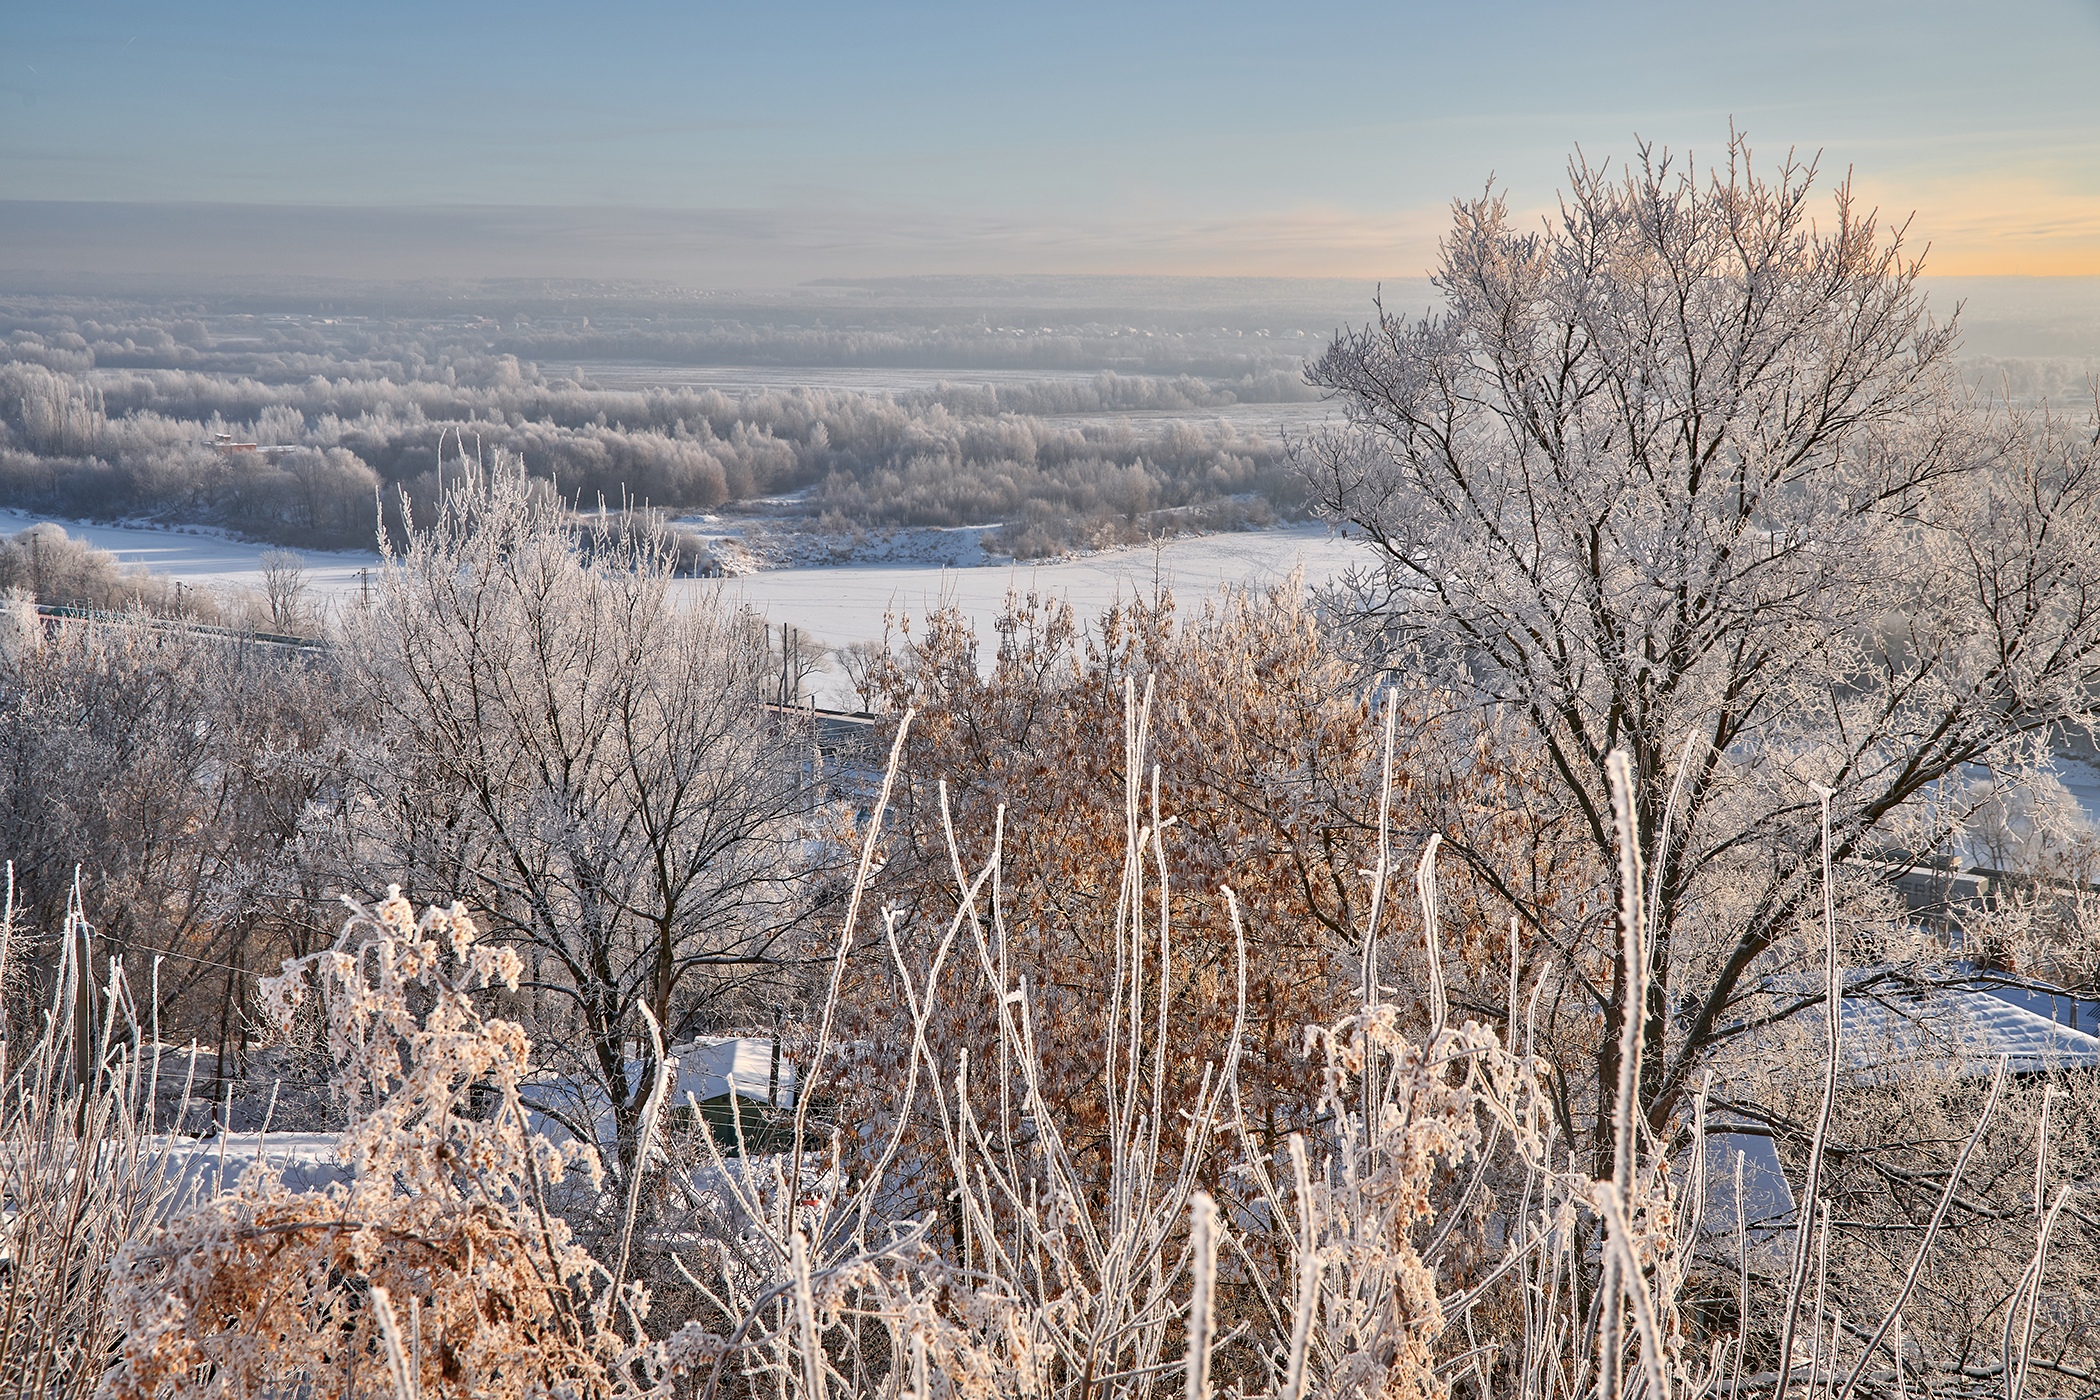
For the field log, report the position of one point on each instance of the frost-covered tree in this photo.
(163, 776)
(1686, 473)
(1269, 782)
(590, 763)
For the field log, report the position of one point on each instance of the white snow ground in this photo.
(201, 558)
(836, 603)
(201, 1167)
(844, 604)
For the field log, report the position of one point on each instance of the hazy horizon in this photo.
(162, 248)
(715, 147)
(2014, 316)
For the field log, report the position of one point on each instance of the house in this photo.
(1963, 1028)
(841, 760)
(1890, 1026)
(742, 1088)
(226, 446)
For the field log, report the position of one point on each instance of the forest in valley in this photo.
(1087, 432)
(1593, 953)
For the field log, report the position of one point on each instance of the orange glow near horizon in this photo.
(2008, 224)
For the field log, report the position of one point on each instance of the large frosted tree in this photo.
(1686, 472)
(591, 764)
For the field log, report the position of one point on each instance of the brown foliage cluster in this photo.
(444, 1217)
(1262, 750)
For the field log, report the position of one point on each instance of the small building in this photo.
(744, 1090)
(226, 446)
(1890, 1026)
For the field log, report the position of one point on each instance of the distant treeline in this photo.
(139, 443)
(2067, 384)
(419, 332)
(111, 410)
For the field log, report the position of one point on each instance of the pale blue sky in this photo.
(1286, 139)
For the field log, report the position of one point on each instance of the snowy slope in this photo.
(201, 558)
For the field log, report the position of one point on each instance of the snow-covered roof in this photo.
(1764, 1200)
(1901, 1015)
(1964, 1029)
(2050, 1003)
(713, 1066)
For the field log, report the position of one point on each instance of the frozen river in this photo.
(846, 603)
(836, 604)
(203, 558)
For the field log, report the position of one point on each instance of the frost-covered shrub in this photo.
(265, 1287)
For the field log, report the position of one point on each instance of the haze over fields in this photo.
(718, 146)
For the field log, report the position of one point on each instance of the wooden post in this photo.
(773, 1077)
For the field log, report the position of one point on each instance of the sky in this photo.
(770, 143)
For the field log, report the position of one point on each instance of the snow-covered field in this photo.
(844, 604)
(201, 558)
(621, 374)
